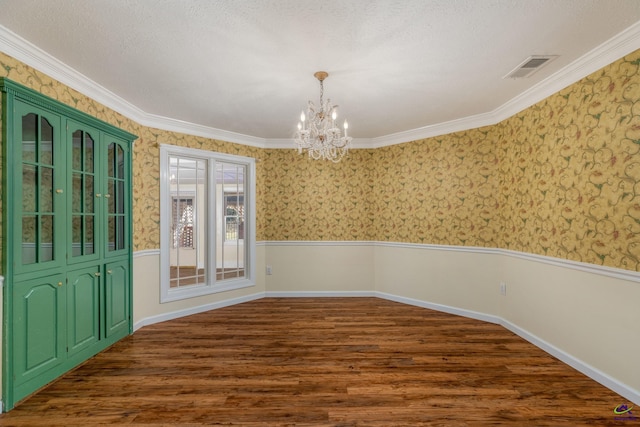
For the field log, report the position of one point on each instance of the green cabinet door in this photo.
(83, 312)
(85, 201)
(117, 298)
(116, 197)
(38, 327)
(38, 214)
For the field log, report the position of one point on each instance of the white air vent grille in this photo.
(530, 66)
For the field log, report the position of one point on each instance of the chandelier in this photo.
(320, 136)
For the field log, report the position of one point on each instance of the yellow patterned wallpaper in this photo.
(439, 190)
(557, 179)
(316, 200)
(570, 171)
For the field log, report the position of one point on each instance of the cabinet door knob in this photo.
(109, 271)
(59, 190)
(98, 195)
(59, 283)
(97, 274)
(107, 195)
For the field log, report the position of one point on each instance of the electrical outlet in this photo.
(269, 271)
(503, 288)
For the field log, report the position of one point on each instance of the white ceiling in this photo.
(243, 69)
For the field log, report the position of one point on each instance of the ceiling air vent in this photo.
(530, 66)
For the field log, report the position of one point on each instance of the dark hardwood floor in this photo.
(322, 362)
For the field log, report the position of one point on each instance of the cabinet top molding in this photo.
(29, 95)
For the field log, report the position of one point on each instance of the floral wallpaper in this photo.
(309, 199)
(570, 171)
(561, 178)
(439, 190)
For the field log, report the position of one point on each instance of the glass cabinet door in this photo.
(116, 196)
(82, 202)
(41, 190)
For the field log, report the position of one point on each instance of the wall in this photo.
(570, 171)
(442, 221)
(316, 200)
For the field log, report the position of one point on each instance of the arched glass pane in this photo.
(46, 142)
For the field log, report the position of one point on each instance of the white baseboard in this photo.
(195, 310)
(440, 307)
(321, 294)
(588, 370)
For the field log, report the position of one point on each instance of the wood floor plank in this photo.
(321, 362)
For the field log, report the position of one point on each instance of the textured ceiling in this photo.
(246, 66)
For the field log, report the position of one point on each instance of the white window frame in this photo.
(212, 285)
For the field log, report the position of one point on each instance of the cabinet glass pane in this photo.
(76, 154)
(88, 194)
(29, 239)
(88, 153)
(46, 142)
(46, 189)
(111, 160)
(29, 185)
(76, 197)
(120, 160)
(76, 235)
(111, 231)
(46, 242)
(111, 200)
(120, 232)
(89, 243)
(29, 135)
(120, 197)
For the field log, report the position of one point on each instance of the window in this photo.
(207, 217)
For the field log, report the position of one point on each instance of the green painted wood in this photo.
(83, 309)
(38, 344)
(66, 177)
(38, 206)
(117, 286)
(116, 191)
(85, 204)
(36, 98)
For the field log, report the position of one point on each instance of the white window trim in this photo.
(212, 286)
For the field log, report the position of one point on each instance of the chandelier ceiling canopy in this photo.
(317, 131)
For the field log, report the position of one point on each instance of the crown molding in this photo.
(608, 52)
(617, 47)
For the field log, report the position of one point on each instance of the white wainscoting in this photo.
(583, 314)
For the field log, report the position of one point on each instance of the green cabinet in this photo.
(117, 297)
(66, 238)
